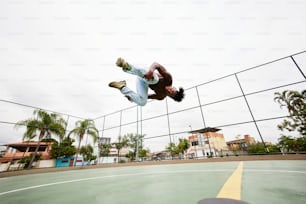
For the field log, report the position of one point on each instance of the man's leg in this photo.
(140, 72)
(141, 97)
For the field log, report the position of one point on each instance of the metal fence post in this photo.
(169, 130)
(296, 64)
(104, 118)
(67, 121)
(103, 126)
(250, 110)
(137, 135)
(203, 119)
(120, 122)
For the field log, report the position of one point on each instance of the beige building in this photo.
(18, 150)
(206, 142)
(241, 144)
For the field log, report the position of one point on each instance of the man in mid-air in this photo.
(157, 78)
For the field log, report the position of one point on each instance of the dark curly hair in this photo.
(179, 95)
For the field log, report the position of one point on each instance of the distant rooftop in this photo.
(204, 130)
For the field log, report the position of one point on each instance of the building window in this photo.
(42, 148)
(195, 143)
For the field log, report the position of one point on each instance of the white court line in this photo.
(110, 176)
(274, 171)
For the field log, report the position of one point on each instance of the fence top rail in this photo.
(248, 69)
(29, 106)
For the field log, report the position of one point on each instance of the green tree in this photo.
(122, 142)
(49, 140)
(286, 143)
(143, 153)
(183, 145)
(172, 149)
(289, 144)
(63, 149)
(259, 148)
(301, 144)
(104, 149)
(135, 142)
(273, 148)
(295, 102)
(44, 123)
(84, 127)
(26, 160)
(87, 153)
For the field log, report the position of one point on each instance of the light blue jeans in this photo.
(139, 97)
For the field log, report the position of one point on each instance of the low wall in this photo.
(16, 166)
(45, 163)
(224, 159)
(111, 160)
(10, 167)
(4, 167)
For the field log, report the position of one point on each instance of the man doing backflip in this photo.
(157, 78)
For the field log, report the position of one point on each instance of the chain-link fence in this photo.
(240, 103)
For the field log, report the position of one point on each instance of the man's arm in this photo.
(162, 71)
(155, 96)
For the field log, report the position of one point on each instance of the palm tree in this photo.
(286, 142)
(296, 105)
(122, 142)
(87, 153)
(135, 142)
(104, 149)
(84, 127)
(183, 145)
(172, 149)
(46, 124)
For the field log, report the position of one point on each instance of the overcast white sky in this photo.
(60, 54)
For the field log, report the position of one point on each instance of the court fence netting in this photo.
(238, 104)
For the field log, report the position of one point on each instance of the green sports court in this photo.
(273, 181)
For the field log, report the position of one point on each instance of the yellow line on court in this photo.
(232, 187)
